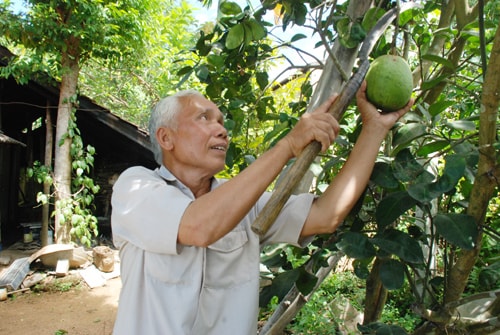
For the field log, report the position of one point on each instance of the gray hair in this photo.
(164, 114)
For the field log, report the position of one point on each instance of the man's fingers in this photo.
(405, 109)
(325, 106)
(328, 132)
(361, 93)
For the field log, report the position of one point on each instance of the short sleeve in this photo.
(290, 221)
(146, 211)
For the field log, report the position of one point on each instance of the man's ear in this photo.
(165, 138)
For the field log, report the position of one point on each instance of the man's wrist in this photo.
(284, 147)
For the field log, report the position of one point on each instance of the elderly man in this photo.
(189, 259)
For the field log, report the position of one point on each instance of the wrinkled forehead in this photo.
(195, 104)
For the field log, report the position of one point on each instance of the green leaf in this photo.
(274, 258)
(408, 133)
(216, 60)
(458, 229)
(437, 107)
(235, 36)
(278, 129)
(358, 34)
(202, 72)
(401, 244)
(427, 85)
(371, 18)
(356, 245)
(255, 30)
(186, 74)
(262, 79)
(406, 16)
(432, 147)
(454, 169)
(299, 13)
(406, 168)
(298, 37)
(232, 152)
(489, 276)
(280, 286)
(344, 29)
(440, 60)
(85, 241)
(462, 125)
(229, 8)
(42, 198)
(382, 175)
(202, 47)
(306, 281)
(424, 192)
(248, 33)
(392, 274)
(90, 150)
(361, 267)
(393, 206)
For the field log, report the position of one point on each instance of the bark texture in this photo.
(62, 164)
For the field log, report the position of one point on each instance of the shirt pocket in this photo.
(182, 269)
(231, 261)
(230, 242)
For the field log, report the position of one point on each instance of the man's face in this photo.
(200, 140)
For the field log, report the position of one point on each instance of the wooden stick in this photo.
(18, 291)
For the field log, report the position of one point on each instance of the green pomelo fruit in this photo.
(389, 83)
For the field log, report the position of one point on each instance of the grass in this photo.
(63, 284)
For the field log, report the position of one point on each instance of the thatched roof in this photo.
(4, 139)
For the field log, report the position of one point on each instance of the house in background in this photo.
(118, 143)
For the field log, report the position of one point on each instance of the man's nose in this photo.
(222, 131)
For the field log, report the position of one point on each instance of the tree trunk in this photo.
(375, 296)
(62, 165)
(332, 80)
(488, 171)
(49, 141)
(483, 189)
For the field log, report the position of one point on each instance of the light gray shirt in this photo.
(169, 288)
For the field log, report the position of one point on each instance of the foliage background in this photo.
(428, 223)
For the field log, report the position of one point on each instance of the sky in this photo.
(17, 5)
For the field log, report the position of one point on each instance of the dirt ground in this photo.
(61, 306)
(79, 311)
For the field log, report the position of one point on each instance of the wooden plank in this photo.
(93, 277)
(15, 274)
(62, 267)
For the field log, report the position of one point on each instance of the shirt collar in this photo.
(169, 177)
(166, 174)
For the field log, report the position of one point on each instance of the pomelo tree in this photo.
(431, 208)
